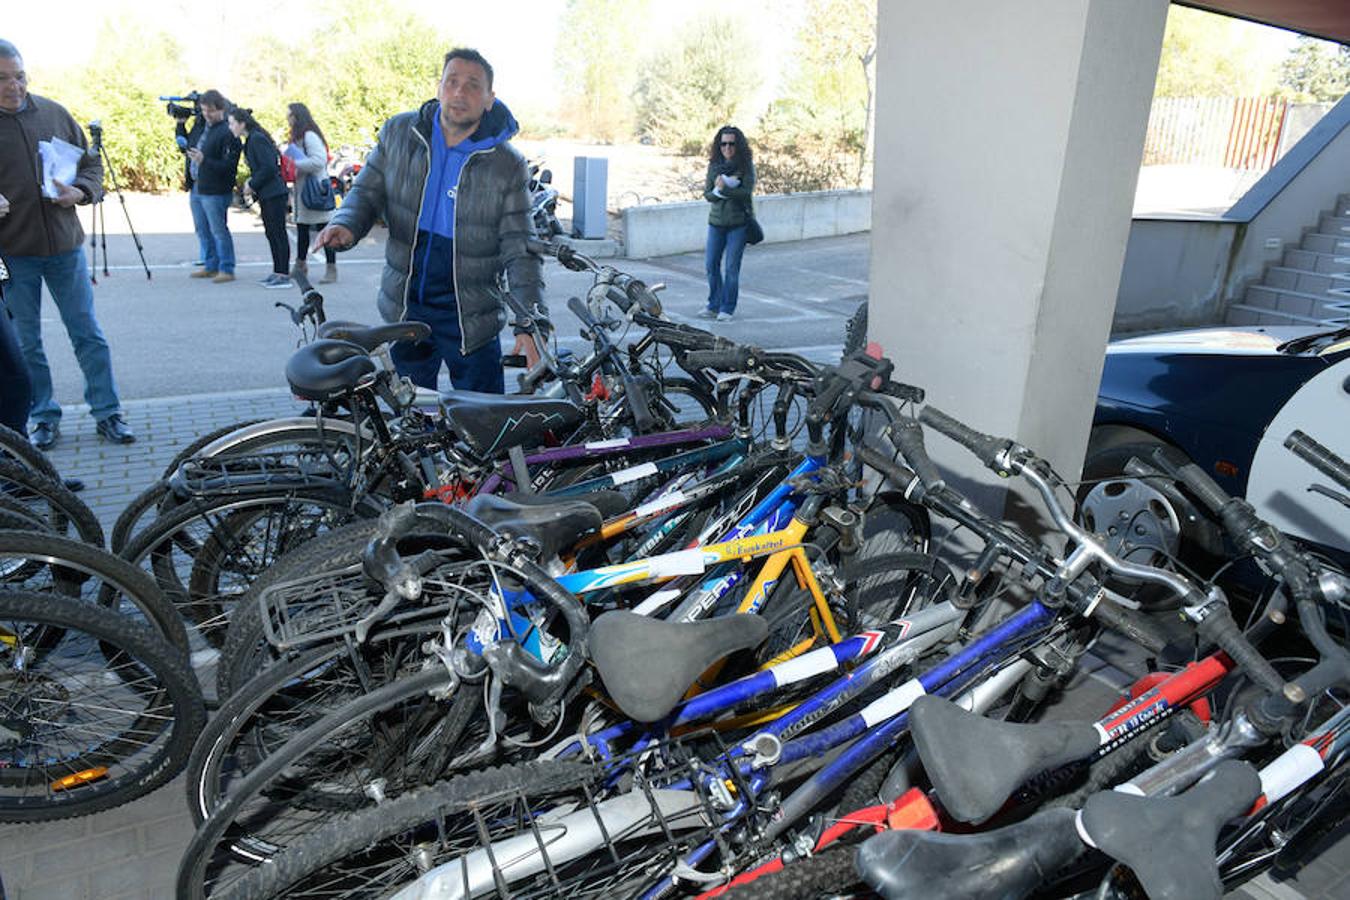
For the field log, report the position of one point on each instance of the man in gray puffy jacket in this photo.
(455, 196)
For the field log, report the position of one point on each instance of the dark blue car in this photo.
(1226, 398)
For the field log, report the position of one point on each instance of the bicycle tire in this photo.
(828, 873)
(17, 517)
(256, 796)
(348, 839)
(162, 548)
(16, 447)
(855, 330)
(172, 700)
(72, 565)
(63, 509)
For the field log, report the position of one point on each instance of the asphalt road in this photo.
(174, 336)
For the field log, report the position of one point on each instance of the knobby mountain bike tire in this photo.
(103, 715)
(826, 874)
(51, 501)
(47, 562)
(302, 786)
(368, 854)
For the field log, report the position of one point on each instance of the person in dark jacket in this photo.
(213, 162)
(41, 241)
(186, 137)
(16, 388)
(453, 192)
(729, 184)
(265, 183)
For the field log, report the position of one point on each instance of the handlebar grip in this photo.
(1218, 626)
(1320, 458)
(985, 447)
(734, 359)
(896, 474)
(1131, 623)
(1206, 490)
(301, 280)
(640, 294)
(901, 391)
(908, 437)
(582, 312)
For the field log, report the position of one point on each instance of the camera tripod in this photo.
(98, 220)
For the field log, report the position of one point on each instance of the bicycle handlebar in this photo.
(542, 684)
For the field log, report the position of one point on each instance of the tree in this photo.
(597, 42)
(1208, 55)
(1316, 71)
(834, 77)
(697, 84)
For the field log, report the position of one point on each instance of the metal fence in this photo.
(1229, 132)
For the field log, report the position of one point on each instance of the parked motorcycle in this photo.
(543, 201)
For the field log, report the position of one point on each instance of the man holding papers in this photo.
(41, 241)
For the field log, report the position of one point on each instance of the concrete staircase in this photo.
(1311, 283)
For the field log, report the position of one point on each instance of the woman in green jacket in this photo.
(728, 187)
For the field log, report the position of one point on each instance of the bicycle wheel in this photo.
(376, 746)
(49, 500)
(85, 729)
(378, 851)
(876, 590)
(16, 447)
(204, 554)
(49, 563)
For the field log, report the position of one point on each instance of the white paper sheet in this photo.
(60, 162)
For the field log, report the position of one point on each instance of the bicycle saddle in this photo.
(976, 763)
(554, 526)
(610, 503)
(647, 664)
(327, 369)
(1169, 841)
(492, 422)
(1005, 863)
(369, 337)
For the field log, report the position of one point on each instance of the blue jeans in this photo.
(481, 370)
(220, 250)
(724, 289)
(67, 278)
(202, 226)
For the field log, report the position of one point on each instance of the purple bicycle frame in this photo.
(602, 449)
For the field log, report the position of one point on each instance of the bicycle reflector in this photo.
(79, 779)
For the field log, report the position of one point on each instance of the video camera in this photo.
(180, 112)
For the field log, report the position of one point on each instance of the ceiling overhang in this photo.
(1318, 18)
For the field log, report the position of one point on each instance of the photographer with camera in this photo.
(187, 136)
(212, 160)
(41, 241)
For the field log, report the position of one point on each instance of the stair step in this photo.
(1326, 243)
(1329, 224)
(1312, 261)
(1301, 280)
(1312, 307)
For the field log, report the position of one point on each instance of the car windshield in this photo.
(1313, 341)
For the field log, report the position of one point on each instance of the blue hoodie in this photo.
(432, 279)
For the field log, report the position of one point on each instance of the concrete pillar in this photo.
(1008, 141)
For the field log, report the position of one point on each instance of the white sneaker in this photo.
(724, 317)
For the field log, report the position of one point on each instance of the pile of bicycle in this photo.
(687, 618)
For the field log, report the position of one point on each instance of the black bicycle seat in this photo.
(976, 763)
(370, 337)
(327, 369)
(554, 526)
(489, 423)
(1006, 862)
(648, 664)
(1169, 841)
(610, 503)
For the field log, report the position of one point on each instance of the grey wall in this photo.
(1174, 273)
